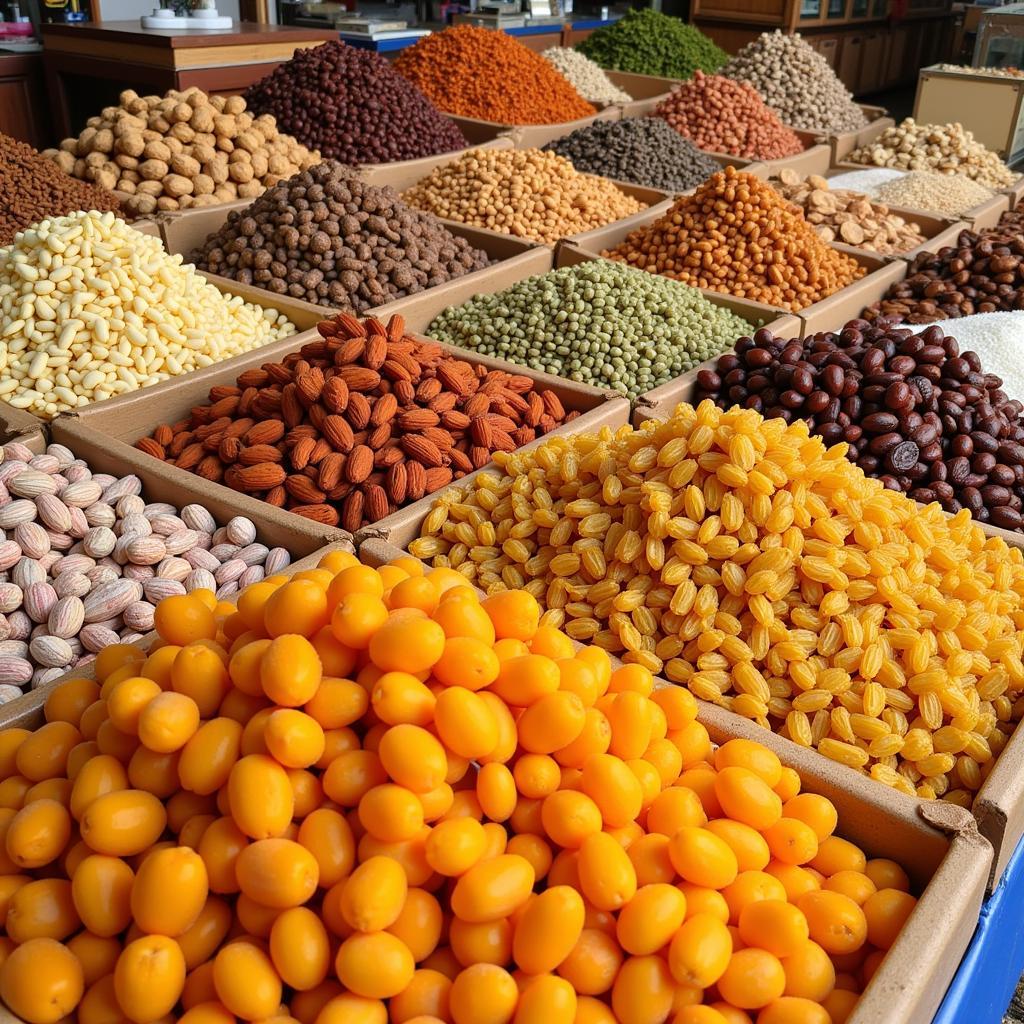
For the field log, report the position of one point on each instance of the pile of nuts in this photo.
(356, 424)
(737, 235)
(947, 148)
(913, 409)
(597, 322)
(952, 194)
(982, 273)
(821, 611)
(485, 74)
(33, 188)
(351, 105)
(327, 237)
(586, 77)
(648, 42)
(181, 150)
(84, 560)
(524, 192)
(841, 216)
(724, 116)
(642, 150)
(797, 82)
(91, 308)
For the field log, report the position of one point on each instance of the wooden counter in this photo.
(24, 112)
(87, 65)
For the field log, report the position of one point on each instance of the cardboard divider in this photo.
(878, 270)
(482, 136)
(406, 173)
(18, 425)
(647, 91)
(849, 302)
(104, 438)
(526, 136)
(108, 431)
(847, 142)
(938, 844)
(186, 233)
(404, 525)
(26, 711)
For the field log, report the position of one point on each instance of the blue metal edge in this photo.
(992, 966)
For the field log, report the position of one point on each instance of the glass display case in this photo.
(836, 8)
(810, 9)
(860, 9)
(1000, 41)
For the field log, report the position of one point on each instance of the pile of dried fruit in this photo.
(350, 844)
(86, 558)
(356, 424)
(746, 561)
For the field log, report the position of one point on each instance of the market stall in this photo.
(549, 555)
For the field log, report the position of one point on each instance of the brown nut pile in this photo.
(737, 235)
(327, 237)
(181, 150)
(524, 192)
(844, 216)
(723, 116)
(32, 189)
(946, 148)
(982, 273)
(356, 424)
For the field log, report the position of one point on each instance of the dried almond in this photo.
(359, 464)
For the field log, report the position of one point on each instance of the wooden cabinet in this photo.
(872, 65)
(23, 111)
(828, 47)
(896, 60)
(850, 61)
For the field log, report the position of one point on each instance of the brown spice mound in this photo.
(357, 423)
(488, 75)
(737, 235)
(33, 188)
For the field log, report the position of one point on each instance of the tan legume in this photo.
(524, 192)
(742, 559)
(91, 308)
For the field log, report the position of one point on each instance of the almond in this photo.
(149, 447)
(359, 378)
(53, 513)
(146, 550)
(197, 579)
(32, 539)
(319, 513)
(66, 617)
(277, 559)
(196, 517)
(110, 599)
(422, 450)
(266, 432)
(51, 651)
(335, 395)
(337, 431)
(95, 637)
(417, 419)
(260, 477)
(30, 483)
(376, 503)
(303, 490)
(139, 616)
(359, 464)
(15, 671)
(157, 588)
(82, 494)
(22, 510)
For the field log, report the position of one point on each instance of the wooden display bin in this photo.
(990, 107)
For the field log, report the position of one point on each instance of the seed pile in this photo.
(947, 148)
(796, 82)
(982, 273)
(33, 188)
(724, 116)
(524, 192)
(356, 424)
(596, 322)
(352, 106)
(651, 43)
(952, 194)
(736, 234)
(769, 575)
(181, 150)
(843, 216)
(327, 237)
(486, 74)
(643, 150)
(86, 559)
(914, 410)
(557, 759)
(585, 76)
(91, 308)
